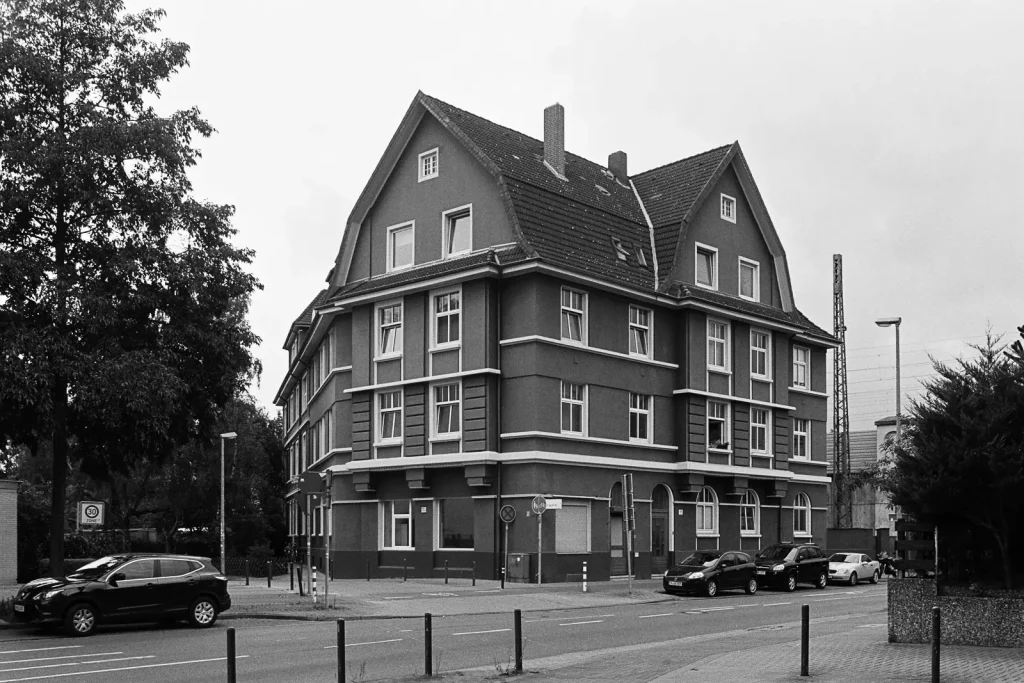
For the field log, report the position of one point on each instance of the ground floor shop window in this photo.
(397, 523)
(455, 523)
(572, 528)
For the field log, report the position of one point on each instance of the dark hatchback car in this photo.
(129, 587)
(784, 565)
(710, 571)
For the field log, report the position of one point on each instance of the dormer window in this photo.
(620, 249)
(728, 208)
(641, 259)
(428, 166)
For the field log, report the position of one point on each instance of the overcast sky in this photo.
(888, 132)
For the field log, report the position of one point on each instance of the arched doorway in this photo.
(616, 532)
(661, 531)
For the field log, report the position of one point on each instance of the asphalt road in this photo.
(388, 649)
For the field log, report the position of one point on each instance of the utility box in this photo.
(519, 568)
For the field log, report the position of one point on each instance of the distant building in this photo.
(506, 320)
(870, 506)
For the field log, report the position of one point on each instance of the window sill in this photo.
(456, 254)
(713, 288)
(802, 535)
(389, 356)
(641, 442)
(576, 434)
(573, 342)
(708, 534)
(760, 378)
(396, 269)
(445, 438)
(719, 371)
(751, 299)
(427, 177)
(640, 356)
(722, 451)
(455, 550)
(398, 547)
(749, 534)
(438, 348)
(762, 455)
(387, 444)
(809, 392)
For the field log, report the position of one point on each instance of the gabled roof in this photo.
(305, 318)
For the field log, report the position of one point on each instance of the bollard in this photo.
(312, 575)
(474, 573)
(367, 570)
(503, 578)
(270, 573)
(936, 638)
(428, 665)
(231, 655)
(341, 650)
(446, 572)
(519, 640)
(584, 576)
(405, 569)
(291, 576)
(805, 634)
(247, 571)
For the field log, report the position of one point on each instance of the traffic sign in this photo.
(507, 514)
(312, 499)
(91, 512)
(538, 505)
(310, 482)
(553, 503)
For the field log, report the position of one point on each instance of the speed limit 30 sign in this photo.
(90, 512)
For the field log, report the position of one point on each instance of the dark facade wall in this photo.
(341, 422)
(519, 309)
(341, 328)
(415, 432)
(361, 425)
(474, 413)
(819, 359)
(415, 335)
(477, 338)
(697, 341)
(362, 345)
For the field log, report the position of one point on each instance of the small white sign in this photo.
(553, 503)
(90, 512)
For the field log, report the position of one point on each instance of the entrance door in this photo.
(616, 533)
(659, 530)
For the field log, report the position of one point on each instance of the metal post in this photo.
(223, 556)
(231, 655)
(474, 572)
(446, 571)
(805, 634)
(540, 525)
(341, 650)
(898, 426)
(247, 571)
(428, 666)
(504, 566)
(270, 572)
(405, 569)
(367, 570)
(584, 576)
(936, 637)
(314, 583)
(309, 542)
(519, 640)
(291, 575)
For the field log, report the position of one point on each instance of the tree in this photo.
(961, 458)
(124, 301)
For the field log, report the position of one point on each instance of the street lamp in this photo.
(223, 563)
(888, 322)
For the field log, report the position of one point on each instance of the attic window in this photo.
(603, 191)
(621, 252)
(640, 257)
(428, 165)
(728, 208)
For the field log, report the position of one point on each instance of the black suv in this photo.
(787, 564)
(129, 587)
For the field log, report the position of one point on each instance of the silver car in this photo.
(853, 567)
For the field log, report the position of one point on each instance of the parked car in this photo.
(787, 564)
(710, 571)
(129, 587)
(852, 567)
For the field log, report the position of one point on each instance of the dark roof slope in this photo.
(305, 318)
(796, 318)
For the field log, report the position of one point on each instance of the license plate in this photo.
(760, 571)
(675, 583)
(19, 608)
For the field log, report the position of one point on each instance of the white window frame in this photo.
(724, 342)
(435, 406)
(411, 227)
(726, 429)
(805, 365)
(566, 311)
(381, 440)
(446, 216)
(436, 318)
(700, 511)
(582, 402)
(437, 164)
(766, 352)
(755, 280)
(698, 247)
(388, 507)
(765, 427)
(802, 435)
(801, 507)
(727, 208)
(750, 501)
(638, 329)
(379, 325)
(641, 405)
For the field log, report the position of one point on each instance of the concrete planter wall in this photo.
(966, 620)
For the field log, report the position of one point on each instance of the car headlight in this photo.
(665, 574)
(778, 567)
(50, 595)
(695, 575)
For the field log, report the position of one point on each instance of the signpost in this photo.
(507, 514)
(91, 512)
(312, 486)
(539, 505)
(628, 508)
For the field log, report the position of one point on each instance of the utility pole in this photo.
(842, 505)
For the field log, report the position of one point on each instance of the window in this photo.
(750, 280)
(455, 523)
(718, 425)
(573, 401)
(707, 512)
(639, 331)
(446, 319)
(397, 515)
(707, 267)
(574, 315)
(390, 416)
(759, 354)
(139, 569)
(640, 418)
(458, 232)
(801, 515)
(759, 419)
(750, 514)
(400, 247)
(801, 438)
(718, 346)
(428, 167)
(621, 252)
(446, 411)
(728, 208)
(390, 337)
(572, 529)
(801, 367)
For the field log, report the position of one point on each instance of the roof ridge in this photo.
(689, 158)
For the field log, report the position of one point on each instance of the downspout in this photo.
(650, 229)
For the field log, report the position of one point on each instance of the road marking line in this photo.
(872, 625)
(851, 597)
(492, 590)
(476, 633)
(753, 604)
(716, 609)
(47, 659)
(373, 642)
(124, 668)
(580, 623)
(651, 616)
(775, 604)
(398, 597)
(53, 666)
(40, 649)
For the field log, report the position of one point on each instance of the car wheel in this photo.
(751, 587)
(80, 620)
(791, 582)
(712, 588)
(874, 577)
(822, 580)
(202, 613)
(853, 579)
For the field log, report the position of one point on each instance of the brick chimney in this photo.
(554, 138)
(617, 165)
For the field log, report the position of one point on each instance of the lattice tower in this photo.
(841, 493)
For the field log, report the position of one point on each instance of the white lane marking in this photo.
(98, 661)
(580, 623)
(398, 597)
(48, 659)
(775, 604)
(849, 597)
(652, 616)
(40, 649)
(533, 621)
(347, 645)
(716, 609)
(493, 590)
(124, 668)
(872, 625)
(753, 604)
(476, 633)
